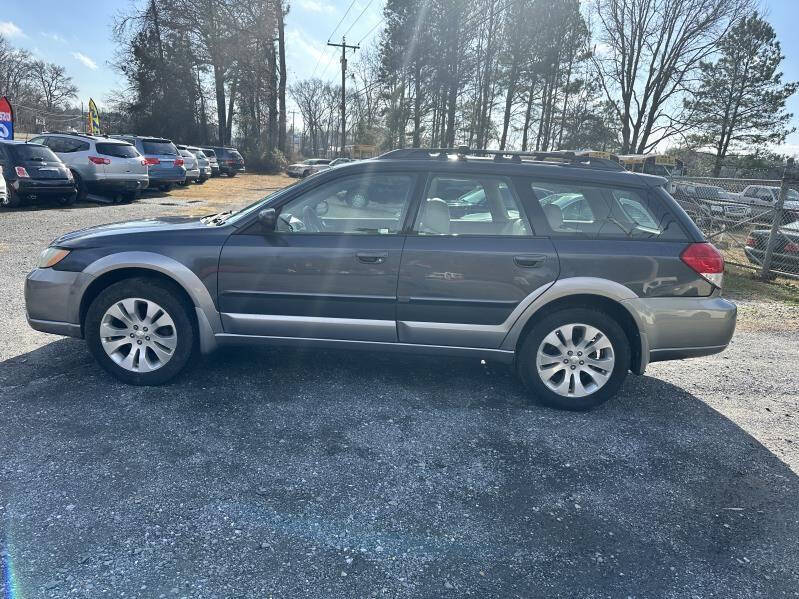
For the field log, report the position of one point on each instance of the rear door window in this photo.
(470, 205)
(601, 212)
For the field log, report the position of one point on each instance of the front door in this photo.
(470, 265)
(330, 269)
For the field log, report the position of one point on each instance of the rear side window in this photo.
(600, 212)
(209, 153)
(159, 146)
(478, 205)
(66, 145)
(117, 150)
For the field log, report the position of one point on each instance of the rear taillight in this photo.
(98, 160)
(151, 161)
(791, 248)
(178, 161)
(21, 172)
(705, 260)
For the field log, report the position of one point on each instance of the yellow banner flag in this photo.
(93, 123)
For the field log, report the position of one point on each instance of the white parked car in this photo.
(308, 167)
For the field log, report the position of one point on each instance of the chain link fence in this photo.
(754, 222)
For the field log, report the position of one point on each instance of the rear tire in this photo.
(540, 363)
(167, 187)
(12, 199)
(144, 360)
(80, 187)
(67, 200)
(231, 174)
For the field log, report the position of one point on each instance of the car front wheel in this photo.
(574, 359)
(139, 330)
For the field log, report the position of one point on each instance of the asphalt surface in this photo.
(265, 473)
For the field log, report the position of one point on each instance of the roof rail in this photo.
(75, 133)
(584, 159)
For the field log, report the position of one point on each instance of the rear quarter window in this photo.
(591, 211)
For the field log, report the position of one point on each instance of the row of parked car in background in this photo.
(314, 165)
(68, 166)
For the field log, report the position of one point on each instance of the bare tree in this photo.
(55, 85)
(648, 55)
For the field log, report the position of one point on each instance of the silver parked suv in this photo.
(567, 267)
(99, 164)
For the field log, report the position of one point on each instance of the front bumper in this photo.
(673, 328)
(52, 301)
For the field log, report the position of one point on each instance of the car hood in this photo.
(169, 224)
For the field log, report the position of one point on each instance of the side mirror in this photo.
(268, 219)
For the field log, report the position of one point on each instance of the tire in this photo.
(174, 328)
(232, 174)
(67, 200)
(305, 173)
(12, 199)
(167, 187)
(606, 381)
(130, 196)
(80, 186)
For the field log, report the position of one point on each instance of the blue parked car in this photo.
(165, 165)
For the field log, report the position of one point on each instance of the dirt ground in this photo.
(224, 193)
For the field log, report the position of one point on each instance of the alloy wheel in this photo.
(138, 334)
(575, 360)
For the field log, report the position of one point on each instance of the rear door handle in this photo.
(529, 260)
(372, 257)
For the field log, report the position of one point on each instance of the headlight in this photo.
(52, 256)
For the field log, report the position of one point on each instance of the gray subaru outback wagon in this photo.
(565, 266)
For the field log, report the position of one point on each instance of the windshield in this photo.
(34, 152)
(159, 146)
(117, 150)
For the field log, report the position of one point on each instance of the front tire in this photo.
(140, 331)
(574, 359)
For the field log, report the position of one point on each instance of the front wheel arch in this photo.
(114, 276)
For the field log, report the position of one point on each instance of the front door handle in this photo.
(372, 257)
(529, 260)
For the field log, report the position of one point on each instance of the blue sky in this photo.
(65, 31)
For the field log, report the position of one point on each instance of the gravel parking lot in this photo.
(266, 473)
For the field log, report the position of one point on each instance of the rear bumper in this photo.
(52, 301)
(673, 328)
(120, 184)
(43, 187)
(170, 176)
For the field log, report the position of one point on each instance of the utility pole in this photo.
(343, 45)
(293, 112)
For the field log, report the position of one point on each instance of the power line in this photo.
(368, 33)
(341, 21)
(368, 4)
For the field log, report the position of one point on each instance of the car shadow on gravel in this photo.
(326, 474)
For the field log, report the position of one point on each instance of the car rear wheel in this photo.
(574, 359)
(139, 330)
(167, 187)
(67, 200)
(11, 199)
(80, 186)
(231, 174)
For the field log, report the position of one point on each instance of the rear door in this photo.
(471, 263)
(329, 270)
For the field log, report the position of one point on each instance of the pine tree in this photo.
(741, 99)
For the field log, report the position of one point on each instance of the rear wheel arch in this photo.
(600, 303)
